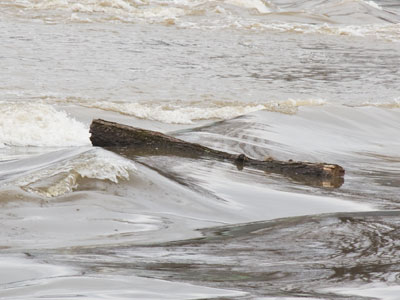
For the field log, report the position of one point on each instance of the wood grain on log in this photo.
(138, 141)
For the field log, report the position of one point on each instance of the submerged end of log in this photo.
(294, 167)
(333, 170)
(138, 141)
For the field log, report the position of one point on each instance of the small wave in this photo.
(35, 124)
(139, 8)
(380, 30)
(373, 4)
(106, 11)
(217, 13)
(64, 177)
(355, 18)
(190, 111)
(388, 32)
(259, 5)
(389, 104)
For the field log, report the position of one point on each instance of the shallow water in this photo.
(304, 80)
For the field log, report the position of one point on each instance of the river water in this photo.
(311, 80)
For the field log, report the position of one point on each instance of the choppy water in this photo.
(304, 80)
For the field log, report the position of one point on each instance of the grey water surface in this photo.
(311, 81)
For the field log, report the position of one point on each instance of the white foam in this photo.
(395, 103)
(109, 10)
(389, 32)
(36, 124)
(188, 112)
(256, 4)
(174, 113)
(373, 4)
(84, 6)
(362, 18)
(64, 177)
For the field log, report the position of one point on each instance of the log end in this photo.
(333, 170)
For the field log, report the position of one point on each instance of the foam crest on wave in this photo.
(65, 177)
(36, 124)
(187, 112)
(140, 8)
(259, 5)
(216, 14)
(107, 10)
(395, 103)
(389, 32)
(354, 18)
(373, 4)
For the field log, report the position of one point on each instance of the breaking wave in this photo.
(388, 104)
(388, 32)
(65, 176)
(189, 111)
(332, 17)
(35, 124)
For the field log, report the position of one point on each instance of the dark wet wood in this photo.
(136, 141)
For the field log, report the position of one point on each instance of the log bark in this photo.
(132, 141)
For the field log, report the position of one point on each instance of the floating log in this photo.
(132, 141)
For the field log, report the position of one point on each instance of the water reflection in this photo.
(289, 257)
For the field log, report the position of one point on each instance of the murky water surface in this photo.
(304, 80)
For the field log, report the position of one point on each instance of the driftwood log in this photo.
(140, 142)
